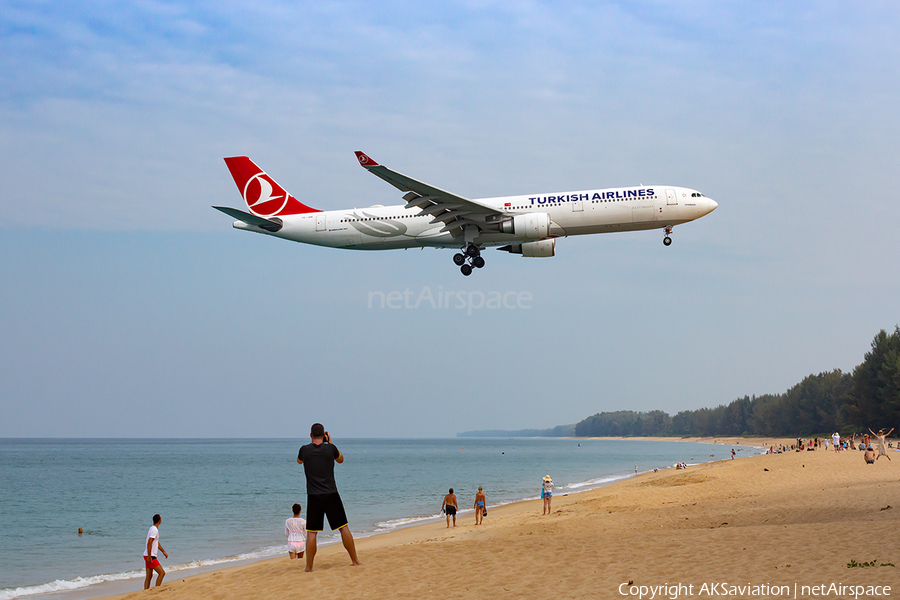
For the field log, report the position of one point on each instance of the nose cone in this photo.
(711, 205)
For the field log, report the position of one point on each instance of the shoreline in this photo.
(365, 539)
(126, 584)
(763, 520)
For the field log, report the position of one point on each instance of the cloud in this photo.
(114, 119)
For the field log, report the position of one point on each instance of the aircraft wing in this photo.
(455, 212)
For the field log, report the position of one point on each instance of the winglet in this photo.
(262, 194)
(365, 160)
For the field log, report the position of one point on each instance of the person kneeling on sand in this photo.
(295, 530)
(869, 456)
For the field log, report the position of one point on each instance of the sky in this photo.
(130, 308)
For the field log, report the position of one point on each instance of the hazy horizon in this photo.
(131, 308)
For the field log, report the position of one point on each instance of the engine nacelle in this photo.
(541, 249)
(532, 226)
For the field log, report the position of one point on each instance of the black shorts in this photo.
(450, 510)
(318, 506)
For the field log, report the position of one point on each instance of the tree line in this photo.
(820, 404)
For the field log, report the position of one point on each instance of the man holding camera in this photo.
(322, 498)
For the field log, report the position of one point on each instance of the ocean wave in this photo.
(596, 482)
(61, 585)
(395, 523)
(65, 585)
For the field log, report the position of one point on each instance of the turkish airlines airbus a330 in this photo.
(528, 225)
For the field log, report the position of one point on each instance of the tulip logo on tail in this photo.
(263, 196)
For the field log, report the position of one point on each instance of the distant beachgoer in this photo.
(882, 446)
(869, 456)
(836, 440)
(322, 497)
(732, 454)
(480, 505)
(150, 552)
(450, 507)
(295, 530)
(547, 493)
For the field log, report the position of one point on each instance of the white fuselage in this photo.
(571, 213)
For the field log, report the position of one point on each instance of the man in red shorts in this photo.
(322, 498)
(150, 561)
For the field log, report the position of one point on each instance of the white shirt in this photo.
(295, 529)
(153, 533)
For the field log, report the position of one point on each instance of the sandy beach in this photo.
(794, 520)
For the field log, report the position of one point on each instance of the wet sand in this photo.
(794, 519)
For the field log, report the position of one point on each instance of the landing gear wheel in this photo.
(667, 241)
(459, 259)
(478, 262)
(466, 270)
(472, 250)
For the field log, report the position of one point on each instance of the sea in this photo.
(224, 501)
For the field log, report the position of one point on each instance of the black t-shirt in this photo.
(318, 464)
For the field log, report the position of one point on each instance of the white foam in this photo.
(61, 585)
(597, 482)
(270, 551)
(64, 585)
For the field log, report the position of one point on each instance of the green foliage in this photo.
(829, 401)
(875, 397)
(871, 563)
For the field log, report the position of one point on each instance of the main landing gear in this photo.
(667, 241)
(472, 254)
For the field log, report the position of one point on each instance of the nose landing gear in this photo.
(471, 253)
(667, 241)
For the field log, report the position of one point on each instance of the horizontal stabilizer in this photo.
(272, 225)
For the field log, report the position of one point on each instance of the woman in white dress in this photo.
(882, 446)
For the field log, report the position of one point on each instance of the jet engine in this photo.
(532, 226)
(541, 249)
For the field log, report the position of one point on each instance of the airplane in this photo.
(528, 224)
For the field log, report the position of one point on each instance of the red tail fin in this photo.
(263, 196)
